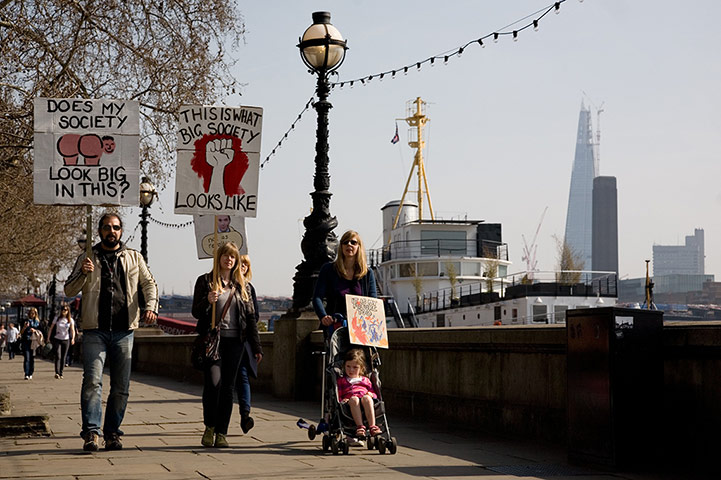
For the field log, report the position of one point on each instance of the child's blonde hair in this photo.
(357, 355)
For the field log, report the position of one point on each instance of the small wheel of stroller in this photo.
(393, 446)
(371, 443)
(334, 446)
(326, 443)
(344, 446)
(311, 432)
(381, 445)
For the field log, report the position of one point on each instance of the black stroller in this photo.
(337, 425)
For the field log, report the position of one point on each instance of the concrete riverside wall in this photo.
(504, 379)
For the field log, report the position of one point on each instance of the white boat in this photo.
(443, 273)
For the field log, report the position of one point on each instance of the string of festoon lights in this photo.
(507, 31)
(308, 104)
(458, 51)
(171, 225)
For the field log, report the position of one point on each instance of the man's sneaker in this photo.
(91, 442)
(221, 441)
(246, 423)
(207, 440)
(112, 442)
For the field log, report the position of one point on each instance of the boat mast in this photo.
(418, 120)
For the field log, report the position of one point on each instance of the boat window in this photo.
(406, 269)
(446, 266)
(539, 314)
(428, 269)
(559, 313)
(471, 269)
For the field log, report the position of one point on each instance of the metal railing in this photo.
(585, 283)
(411, 249)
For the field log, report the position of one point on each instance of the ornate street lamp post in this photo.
(322, 49)
(147, 195)
(55, 268)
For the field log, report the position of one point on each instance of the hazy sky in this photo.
(502, 129)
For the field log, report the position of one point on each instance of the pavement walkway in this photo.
(163, 426)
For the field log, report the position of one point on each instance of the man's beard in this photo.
(110, 243)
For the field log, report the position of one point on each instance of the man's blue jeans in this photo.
(115, 349)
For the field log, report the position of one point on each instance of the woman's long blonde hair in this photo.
(231, 249)
(245, 260)
(360, 266)
(33, 311)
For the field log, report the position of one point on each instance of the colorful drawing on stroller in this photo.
(337, 427)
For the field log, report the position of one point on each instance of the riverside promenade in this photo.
(163, 426)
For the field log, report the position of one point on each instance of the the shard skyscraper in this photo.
(579, 217)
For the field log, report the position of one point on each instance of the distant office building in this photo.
(685, 259)
(605, 225)
(578, 235)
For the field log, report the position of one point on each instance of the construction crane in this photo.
(529, 251)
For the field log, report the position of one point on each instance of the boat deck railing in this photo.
(561, 283)
(414, 249)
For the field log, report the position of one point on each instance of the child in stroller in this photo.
(356, 390)
(338, 425)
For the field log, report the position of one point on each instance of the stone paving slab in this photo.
(163, 426)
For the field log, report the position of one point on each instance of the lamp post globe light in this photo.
(322, 49)
(147, 195)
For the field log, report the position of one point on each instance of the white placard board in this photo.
(86, 152)
(218, 160)
(366, 321)
(230, 229)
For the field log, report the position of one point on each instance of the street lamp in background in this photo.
(322, 49)
(147, 195)
(55, 268)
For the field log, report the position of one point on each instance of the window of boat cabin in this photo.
(539, 314)
(427, 269)
(443, 242)
(559, 313)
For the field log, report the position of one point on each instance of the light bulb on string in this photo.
(557, 6)
(433, 61)
(495, 37)
(405, 70)
(515, 35)
(480, 42)
(535, 25)
(445, 60)
(418, 65)
(460, 52)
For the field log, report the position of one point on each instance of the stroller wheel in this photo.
(334, 446)
(311, 432)
(393, 446)
(371, 443)
(344, 446)
(326, 443)
(381, 445)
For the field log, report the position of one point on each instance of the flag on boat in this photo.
(395, 138)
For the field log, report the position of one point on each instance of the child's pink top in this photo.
(355, 387)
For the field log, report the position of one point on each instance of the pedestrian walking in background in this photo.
(250, 358)
(3, 340)
(62, 334)
(109, 280)
(29, 341)
(235, 318)
(13, 334)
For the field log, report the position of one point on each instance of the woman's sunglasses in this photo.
(351, 242)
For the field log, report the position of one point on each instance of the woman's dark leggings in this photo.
(61, 350)
(219, 385)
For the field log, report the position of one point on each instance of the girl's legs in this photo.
(355, 411)
(369, 409)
